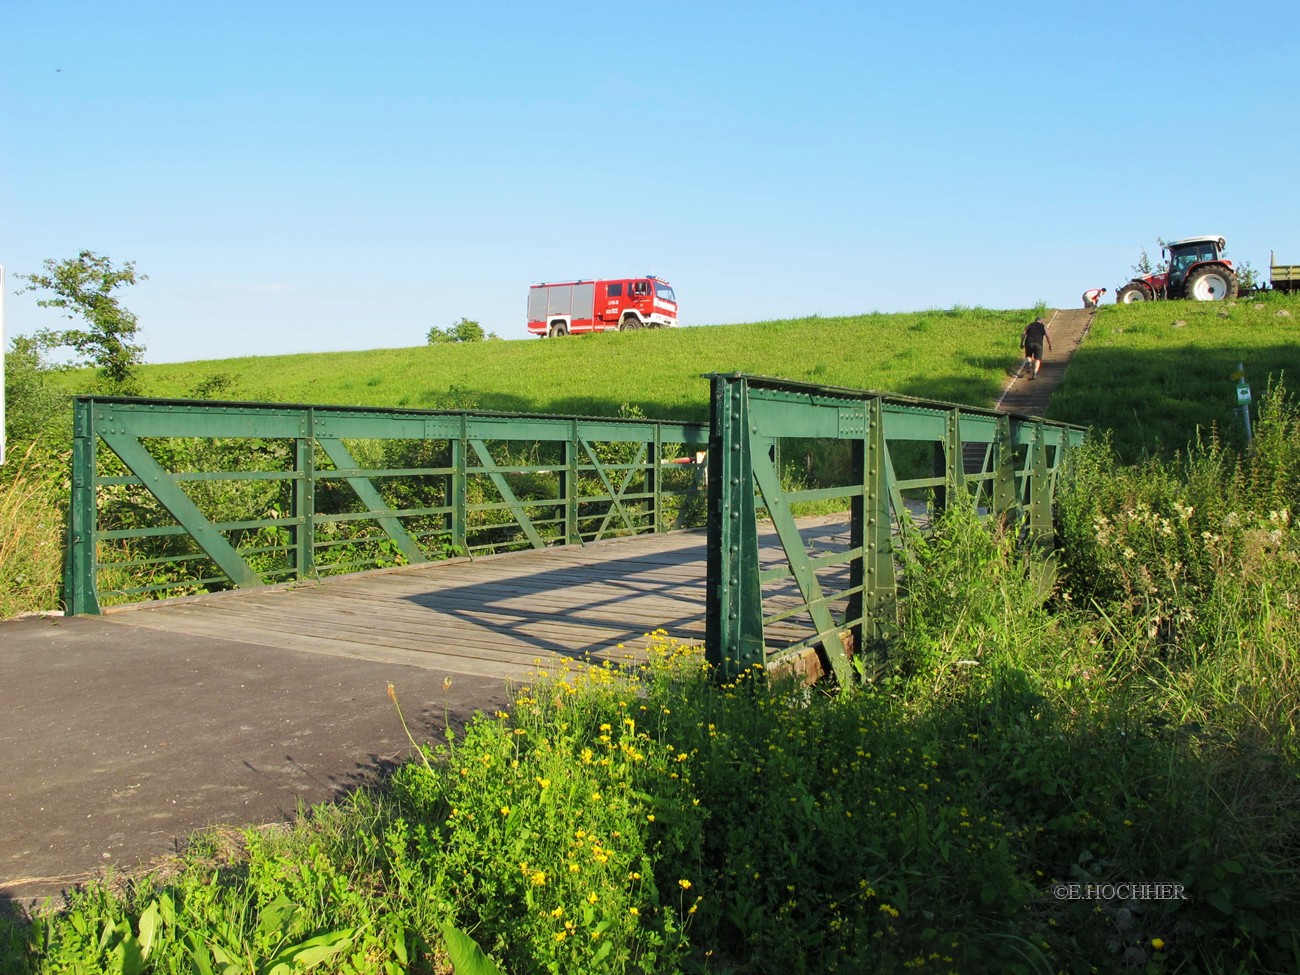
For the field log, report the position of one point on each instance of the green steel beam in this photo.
(1040, 494)
(569, 480)
(956, 467)
(80, 592)
(342, 458)
(303, 533)
(189, 418)
(828, 631)
(878, 576)
(734, 606)
(1004, 474)
(489, 467)
(457, 489)
(177, 502)
(654, 480)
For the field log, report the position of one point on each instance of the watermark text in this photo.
(1118, 892)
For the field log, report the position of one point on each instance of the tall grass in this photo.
(33, 492)
(1193, 564)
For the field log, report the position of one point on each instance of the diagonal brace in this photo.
(375, 504)
(167, 490)
(828, 631)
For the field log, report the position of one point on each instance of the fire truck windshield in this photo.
(665, 292)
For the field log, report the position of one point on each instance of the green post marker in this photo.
(1243, 397)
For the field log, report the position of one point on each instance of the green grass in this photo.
(1140, 374)
(958, 355)
(1152, 374)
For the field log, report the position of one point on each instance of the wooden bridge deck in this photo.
(498, 616)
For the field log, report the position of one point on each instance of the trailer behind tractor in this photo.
(1283, 277)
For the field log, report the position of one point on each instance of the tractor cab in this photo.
(1185, 254)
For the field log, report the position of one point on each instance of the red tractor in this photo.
(1196, 269)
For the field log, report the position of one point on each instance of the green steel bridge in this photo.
(487, 543)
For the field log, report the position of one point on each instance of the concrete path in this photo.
(1067, 330)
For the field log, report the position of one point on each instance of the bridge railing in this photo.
(176, 497)
(834, 596)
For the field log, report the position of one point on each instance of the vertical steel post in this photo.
(457, 487)
(881, 584)
(569, 478)
(654, 485)
(303, 532)
(1004, 474)
(955, 470)
(79, 563)
(734, 609)
(1040, 493)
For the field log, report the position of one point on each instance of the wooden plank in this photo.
(524, 636)
(629, 598)
(486, 667)
(497, 615)
(633, 616)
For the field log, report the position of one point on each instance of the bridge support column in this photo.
(302, 536)
(79, 563)
(734, 605)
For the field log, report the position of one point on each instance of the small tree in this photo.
(1248, 279)
(32, 400)
(465, 330)
(83, 287)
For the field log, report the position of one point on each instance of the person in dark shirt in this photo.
(1031, 340)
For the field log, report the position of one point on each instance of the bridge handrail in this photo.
(177, 496)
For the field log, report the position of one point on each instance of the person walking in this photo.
(1092, 296)
(1031, 340)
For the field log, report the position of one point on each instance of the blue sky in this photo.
(300, 177)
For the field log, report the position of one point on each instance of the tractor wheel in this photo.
(1211, 284)
(558, 329)
(1133, 292)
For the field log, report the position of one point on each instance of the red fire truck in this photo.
(599, 306)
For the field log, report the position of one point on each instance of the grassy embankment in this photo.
(1137, 729)
(960, 355)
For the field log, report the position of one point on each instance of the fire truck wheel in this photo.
(1211, 284)
(1131, 293)
(558, 329)
(629, 325)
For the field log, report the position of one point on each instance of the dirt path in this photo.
(1066, 329)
